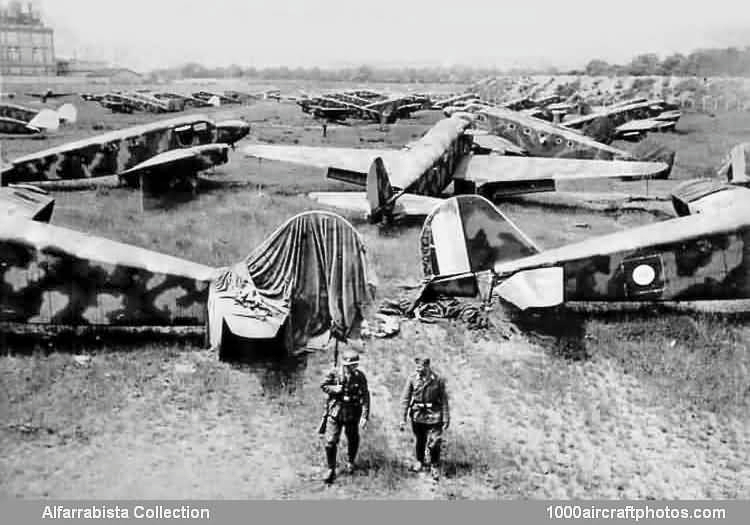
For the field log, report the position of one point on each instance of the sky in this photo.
(148, 34)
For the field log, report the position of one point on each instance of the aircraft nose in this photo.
(232, 131)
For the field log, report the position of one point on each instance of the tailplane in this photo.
(46, 119)
(654, 152)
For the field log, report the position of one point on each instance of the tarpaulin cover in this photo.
(313, 268)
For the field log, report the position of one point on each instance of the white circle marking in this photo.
(643, 275)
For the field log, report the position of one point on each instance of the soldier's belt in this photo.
(422, 405)
(350, 399)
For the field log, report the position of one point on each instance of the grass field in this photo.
(647, 404)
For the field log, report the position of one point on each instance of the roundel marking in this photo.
(644, 274)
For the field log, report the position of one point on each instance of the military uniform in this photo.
(425, 402)
(348, 404)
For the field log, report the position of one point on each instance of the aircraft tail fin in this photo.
(468, 233)
(67, 113)
(653, 152)
(215, 101)
(379, 190)
(735, 167)
(45, 119)
(465, 238)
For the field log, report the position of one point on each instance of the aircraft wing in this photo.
(489, 169)
(187, 160)
(356, 201)
(347, 164)
(496, 143)
(49, 95)
(643, 126)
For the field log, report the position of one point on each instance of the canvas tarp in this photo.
(313, 269)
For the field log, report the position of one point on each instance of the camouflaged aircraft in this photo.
(215, 99)
(471, 248)
(452, 100)
(150, 156)
(340, 105)
(539, 138)
(20, 120)
(54, 276)
(410, 181)
(130, 102)
(627, 120)
(184, 100)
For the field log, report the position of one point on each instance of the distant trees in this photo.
(731, 61)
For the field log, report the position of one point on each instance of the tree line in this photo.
(731, 61)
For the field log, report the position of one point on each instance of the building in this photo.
(26, 44)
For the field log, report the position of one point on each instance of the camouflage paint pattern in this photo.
(698, 257)
(16, 127)
(15, 112)
(186, 101)
(433, 159)
(543, 139)
(53, 275)
(133, 102)
(118, 151)
(619, 115)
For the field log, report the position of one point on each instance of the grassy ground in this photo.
(634, 405)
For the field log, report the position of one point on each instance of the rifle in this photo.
(323, 423)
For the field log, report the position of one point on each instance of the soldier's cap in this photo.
(349, 357)
(422, 361)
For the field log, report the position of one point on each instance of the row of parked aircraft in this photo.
(170, 102)
(56, 276)
(362, 104)
(470, 247)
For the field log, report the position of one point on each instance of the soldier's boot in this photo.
(331, 461)
(435, 462)
(352, 448)
(419, 465)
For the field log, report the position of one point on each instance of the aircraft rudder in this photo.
(468, 234)
(379, 189)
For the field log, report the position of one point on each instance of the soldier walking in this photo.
(425, 402)
(347, 408)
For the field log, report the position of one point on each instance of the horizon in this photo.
(332, 34)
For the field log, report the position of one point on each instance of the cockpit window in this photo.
(202, 132)
(184, 135)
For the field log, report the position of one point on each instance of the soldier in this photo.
(425, 402)
(348, 406)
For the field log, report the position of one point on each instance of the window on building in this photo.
(14, 54)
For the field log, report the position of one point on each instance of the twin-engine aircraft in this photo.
(469, 248)
(527, 135)
(53, 276)
(410, 181)
(154, 156)
(627, 120)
